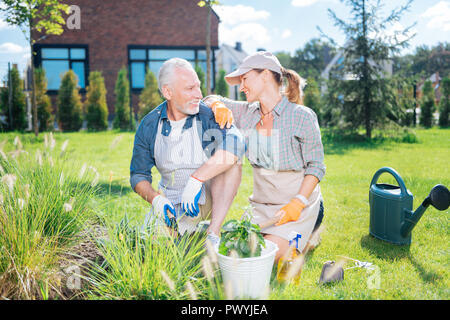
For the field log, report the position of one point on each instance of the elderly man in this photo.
(197, 160)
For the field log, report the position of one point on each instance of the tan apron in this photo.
(274, 189)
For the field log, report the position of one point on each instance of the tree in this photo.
(122, 119)
(201, 77)
(208, 4)
(427, 105)
(150, 97)
(313, 58)
(444, 105)
(70, 108)
(44, 16)
(284, 58)
(96, 107)
(222, 86)
(44, 104)
(16, 120)
(367, 49)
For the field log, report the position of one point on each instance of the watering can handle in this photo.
(393, 173)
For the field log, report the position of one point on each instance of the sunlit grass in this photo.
(418, 271)
(43, 206)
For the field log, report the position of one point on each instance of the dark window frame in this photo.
(37, 48)
(147, 60)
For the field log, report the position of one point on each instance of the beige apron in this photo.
(274, 189)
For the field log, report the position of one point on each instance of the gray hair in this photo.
(167, 69)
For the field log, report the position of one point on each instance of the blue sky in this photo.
(278, 25)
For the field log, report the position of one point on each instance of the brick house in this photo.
(137, 34)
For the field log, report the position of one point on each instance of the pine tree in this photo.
(222, 86)
(18, 120)
(367, 49)
(150, 97)
(427, 105)
(43, 102)
(444, 105)
(70, 108)
(96, 107)
(122, 106)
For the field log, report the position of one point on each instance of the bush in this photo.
(122, 106)
(43, 102)
(18, 107)
(312, 98)
(201, 77)
(96, 107)
(149, 98)
(427, 105)
(69, 103)
(444, 105)
(222, 86)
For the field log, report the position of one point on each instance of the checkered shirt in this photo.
(296, 129)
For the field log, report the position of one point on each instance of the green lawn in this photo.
(418, 271)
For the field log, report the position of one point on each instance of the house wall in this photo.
(108, 27)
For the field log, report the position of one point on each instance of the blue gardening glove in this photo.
(191, 194)
(162, 205)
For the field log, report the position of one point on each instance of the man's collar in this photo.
(164, 110)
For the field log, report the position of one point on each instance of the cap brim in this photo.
(233, 78)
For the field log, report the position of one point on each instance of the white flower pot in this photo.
(249, 277)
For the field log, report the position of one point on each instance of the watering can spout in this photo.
(439, 198)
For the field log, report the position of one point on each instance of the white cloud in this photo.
(232, 15)
(303, 3)
(240, 23)
(286, 33)
(245, 32)
(9, 47)
(4, 24)
(439, 16)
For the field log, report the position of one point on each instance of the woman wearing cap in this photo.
(284, 148)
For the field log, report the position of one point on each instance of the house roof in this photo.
(236, 55)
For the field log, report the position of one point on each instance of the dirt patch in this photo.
(76, 263)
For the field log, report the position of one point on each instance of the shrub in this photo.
(427, 105)
(96, 107)
(149, 98)
(222, 86)
(122, 106)
(312, 98)
(18, 119)
(69, 103)
(43, 102)
(444, 105)
(201, 77)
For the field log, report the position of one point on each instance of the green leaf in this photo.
(201, 4)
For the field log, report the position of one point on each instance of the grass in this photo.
(43, 207)
(417, 271)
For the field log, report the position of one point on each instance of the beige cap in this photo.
(259, 60)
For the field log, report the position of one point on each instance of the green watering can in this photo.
(391, 215)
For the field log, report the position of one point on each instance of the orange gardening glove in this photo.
(291, 211)
(222, 114)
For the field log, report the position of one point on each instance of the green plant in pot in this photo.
(242, 237)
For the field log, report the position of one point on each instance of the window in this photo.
(56, 60)
(142, 59)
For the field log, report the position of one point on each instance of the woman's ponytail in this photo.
(295, 85)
